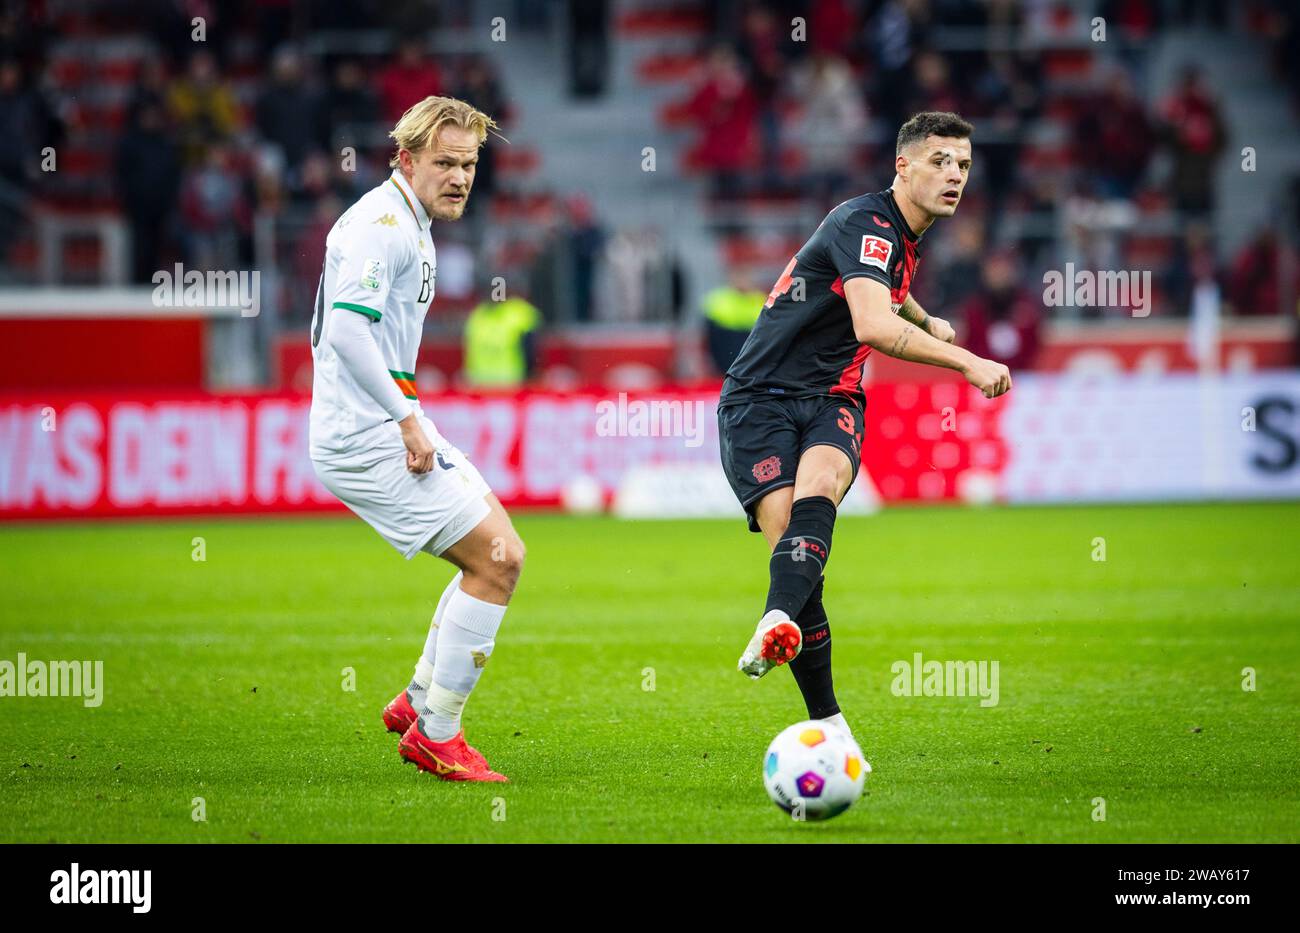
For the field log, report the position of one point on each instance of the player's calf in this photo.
(800, 555)
(491, 557)
(812, 667)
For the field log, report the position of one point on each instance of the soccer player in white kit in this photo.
(373, 446)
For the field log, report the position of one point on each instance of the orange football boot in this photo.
(399, 714)
(452, 760)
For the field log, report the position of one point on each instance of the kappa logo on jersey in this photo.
(767, 469)
(372, 274)
(388, 220)
(876, 251)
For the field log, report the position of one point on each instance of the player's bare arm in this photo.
(936, 327)
(875, 325)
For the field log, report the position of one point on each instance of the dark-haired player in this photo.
(790, 417)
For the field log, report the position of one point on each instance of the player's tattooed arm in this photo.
(912, 311)
(936, 327)
(900, 343)
(875, 325)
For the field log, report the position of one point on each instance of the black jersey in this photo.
(803, 344)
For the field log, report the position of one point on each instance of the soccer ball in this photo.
(814, 770)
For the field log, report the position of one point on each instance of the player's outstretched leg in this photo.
(406, 706)
(490, 558)
(801, 545)
(812, 668)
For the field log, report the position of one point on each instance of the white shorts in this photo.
(412, 512)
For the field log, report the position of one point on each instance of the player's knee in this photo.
(776, 525)
(508, 563)
(827, 483)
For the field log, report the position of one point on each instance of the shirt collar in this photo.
(408, 195)
(902, 218)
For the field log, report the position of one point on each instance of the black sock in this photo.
(800, 555)
(812, 666)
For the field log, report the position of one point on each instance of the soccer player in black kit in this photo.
(790, 418)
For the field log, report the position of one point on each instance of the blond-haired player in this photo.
(373, 446)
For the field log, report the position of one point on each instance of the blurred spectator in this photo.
(1193, 262)
(27, 124)
(1003, 320)
(274, 20)
(725, 111)
(586, 239)
(892, 38)
(151, 86)
(831, 24)
(1132, 25)
(932, 87)
(215, 211)
(501, 343)
(730, 312)
(1196, 134)
(1042, 207)
(1113, 138)
(588, 46)
(1283, 28)
(288, 113)
(203, 108)
(958, 277)
(350, 105)
(319, 178)
(833, 121)
(148, 170)
(410, 78)
(1256, 275)
(766, 69)
(478, 85)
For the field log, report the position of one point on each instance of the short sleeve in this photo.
(367, 264)
(867, 244)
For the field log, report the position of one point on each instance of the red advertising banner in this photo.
(1051, 439)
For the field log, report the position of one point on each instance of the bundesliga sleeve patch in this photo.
(876, 251)
(372, 274)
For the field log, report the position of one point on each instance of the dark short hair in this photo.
(931, 123)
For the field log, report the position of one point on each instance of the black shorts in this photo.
(761, 441)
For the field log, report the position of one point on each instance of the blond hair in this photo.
(419, 127)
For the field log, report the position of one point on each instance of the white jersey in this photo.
(379, 262)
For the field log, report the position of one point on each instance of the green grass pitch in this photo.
(224, 681)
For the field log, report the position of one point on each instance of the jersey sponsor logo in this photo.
(388, 220)
(768, 469)
(879, 222)
(426, 281)
(876, 251)
(372, 274)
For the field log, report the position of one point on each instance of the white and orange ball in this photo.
(814, 770)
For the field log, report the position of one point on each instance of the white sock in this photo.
(424, 667)
(839, 720)
(466, 637)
